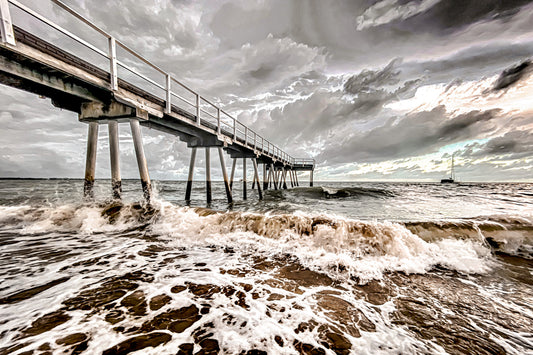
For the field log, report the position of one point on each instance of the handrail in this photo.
(251, 138)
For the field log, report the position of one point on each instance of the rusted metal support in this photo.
(209, 196)
(6, 26)
(256, 178)
(141, 159)
(265, 177)
(244, 196)
(233, 165)
(191, 174)
(114, 154)
(225, 175)
(311, 178)
(90, 162)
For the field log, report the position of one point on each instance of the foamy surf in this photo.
(112, 278)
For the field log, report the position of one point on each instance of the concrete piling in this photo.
(225, 175)
(256, 178)
(244, 196)
(209, 197)
(265, 178)
(274, 180)
(233, 165)
(141, 159)
(311, 178)
(116, 183)
(90, 162)
(191, 174)
(284, 177)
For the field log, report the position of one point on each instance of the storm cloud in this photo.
(371, 89)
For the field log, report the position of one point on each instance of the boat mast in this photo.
(452, 172)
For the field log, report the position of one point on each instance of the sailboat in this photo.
(451, 179)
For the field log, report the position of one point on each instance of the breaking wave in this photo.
(342, 248)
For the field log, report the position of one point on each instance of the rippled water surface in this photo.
(340, 268)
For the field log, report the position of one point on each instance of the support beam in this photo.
(256, 178)
(141, 159)
(265, 177)
(225, 175)
(291, 178)
(233, 165)
(90, 162)
(6, 26)
(311, 178)
(284, 177)
(296, 177)
(244, 196)
(273, 171)
(114, 154)
(209, 196)
(191, 174)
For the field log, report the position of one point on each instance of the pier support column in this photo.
(191, 174)
(256, 178)
(296, 177)
(90, 162)
(284, 178)
(273, 172)
(141, 159)
(225, 175)
(209, 197)
(233, 165)
(311, 178)
(114, 152)
(265, 177)
(244, 196)
(291, 177)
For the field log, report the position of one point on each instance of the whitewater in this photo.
(341, 268)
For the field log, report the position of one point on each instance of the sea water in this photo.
(339, 268)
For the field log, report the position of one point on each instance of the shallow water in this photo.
(336, 269)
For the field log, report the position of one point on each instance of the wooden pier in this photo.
(110, 96)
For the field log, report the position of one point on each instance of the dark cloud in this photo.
(448, 16)
(512, 75)
(415, 134)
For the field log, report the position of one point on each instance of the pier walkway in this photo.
(119, 85)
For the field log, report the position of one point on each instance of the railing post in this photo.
(234, 129)
(168, 106)
(6, 26)
(255, 141)
(198, 109)
(246, 135)
(218, 121)
(113, 74)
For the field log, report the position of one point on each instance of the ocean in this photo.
(339, 268)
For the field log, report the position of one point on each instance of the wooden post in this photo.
(265, 177)
(256, 178)
(141, 159)
(225, 175)
(114, 153)
(244, 197)
(311, 178)
(191, 174)
(90, 162)
(233, 165)
(208, 175)
(296, 177)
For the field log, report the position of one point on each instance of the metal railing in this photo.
(207, 114)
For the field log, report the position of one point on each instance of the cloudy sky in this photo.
(372, 89)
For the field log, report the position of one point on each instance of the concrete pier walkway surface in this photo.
(98, 96)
